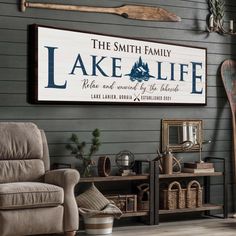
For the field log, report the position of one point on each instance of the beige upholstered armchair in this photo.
(33, 200)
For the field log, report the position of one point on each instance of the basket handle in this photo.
(191, 183)
(143, 187)
(174, 183)
(198, 194)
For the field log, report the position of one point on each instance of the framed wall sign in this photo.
(78, 67)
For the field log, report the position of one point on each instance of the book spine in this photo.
(191, 170)
(199, 165)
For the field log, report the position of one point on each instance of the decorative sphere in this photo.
(125, 160)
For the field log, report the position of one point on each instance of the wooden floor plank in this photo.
(205, 227)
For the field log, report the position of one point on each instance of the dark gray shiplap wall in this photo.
(122, 127)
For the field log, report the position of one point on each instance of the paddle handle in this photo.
(25, 5)
(234, 143)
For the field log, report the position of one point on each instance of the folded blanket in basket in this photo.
(109, 209)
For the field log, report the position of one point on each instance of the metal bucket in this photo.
(98, 225)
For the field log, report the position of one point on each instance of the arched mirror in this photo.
(181, 135)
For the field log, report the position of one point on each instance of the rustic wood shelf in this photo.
(114, 178)
(133, 214)
(185, 175)
(205, 207)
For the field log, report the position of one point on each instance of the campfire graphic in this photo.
(139, 71)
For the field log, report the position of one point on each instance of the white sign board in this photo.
(74, 66)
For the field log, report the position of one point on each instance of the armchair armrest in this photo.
(67, 179)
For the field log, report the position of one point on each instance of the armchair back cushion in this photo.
(21, 170)
(22, 155)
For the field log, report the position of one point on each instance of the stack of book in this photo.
(197, 167)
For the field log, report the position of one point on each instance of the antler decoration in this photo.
(216, 22)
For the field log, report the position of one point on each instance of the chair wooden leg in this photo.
(72, 233)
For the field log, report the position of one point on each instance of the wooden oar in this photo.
(137, 12)
(228, 75)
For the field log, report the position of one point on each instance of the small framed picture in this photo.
(60, 166)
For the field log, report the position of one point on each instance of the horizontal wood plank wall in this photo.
(138, 128)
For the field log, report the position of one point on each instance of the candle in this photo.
(211, 21)
(231, 25)
(185, 138)
(190, 133)
(125, 160)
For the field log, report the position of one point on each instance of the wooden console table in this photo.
(154, 179)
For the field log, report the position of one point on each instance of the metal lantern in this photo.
(125, 162)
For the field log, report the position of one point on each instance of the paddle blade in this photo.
(228, 75)
(139, 12)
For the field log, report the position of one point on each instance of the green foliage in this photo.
(77, 148)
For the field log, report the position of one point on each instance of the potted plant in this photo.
(77, 148)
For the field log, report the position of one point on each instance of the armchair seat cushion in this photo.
(22, 195)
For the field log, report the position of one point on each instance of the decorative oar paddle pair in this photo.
(137, 12)
(228, 75)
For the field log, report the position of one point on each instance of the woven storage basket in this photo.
(173, 198)
(143, 197)
(98, 225)
(126, 203)
(194, 194)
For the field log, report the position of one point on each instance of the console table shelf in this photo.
(133, 214)
(190, 175)
(204, 207)
(114, 178)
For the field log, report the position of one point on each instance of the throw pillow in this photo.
(92, 199)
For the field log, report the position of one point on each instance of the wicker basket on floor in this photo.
(194, 194)
(173, 197)
(99, 224)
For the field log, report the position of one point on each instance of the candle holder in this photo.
(125, 162)
(200, 149)
(215, 20)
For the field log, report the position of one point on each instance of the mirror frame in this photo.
(166, 123)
